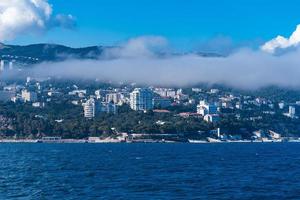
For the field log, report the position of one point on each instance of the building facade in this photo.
(113, 97)
(141, 99)
(292, 111)
(89, 109)
(28, 96)
(205, 108)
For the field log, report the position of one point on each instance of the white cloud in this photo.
(138, 47)
(281, 42)
(27, 17)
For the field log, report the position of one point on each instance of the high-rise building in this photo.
(205, 108)
(281, 105)
(141, 99)
(212, 118)
(5, 65)
(28, 79)
(93, 107)
(292, 111)
(166, 92)
(29, 96)
(89, 109)
(11, 66)
(208, 111)
(113, 97)
(1, 65)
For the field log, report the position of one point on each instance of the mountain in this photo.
(48, 52)
(36, 53)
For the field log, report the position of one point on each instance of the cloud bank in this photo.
(144, 46)
(281, 42)
(136, 61)
(28, 16)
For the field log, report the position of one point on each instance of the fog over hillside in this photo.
(136, 61)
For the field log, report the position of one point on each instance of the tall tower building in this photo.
(29, 96)
(2, 65)
(205, 108)
(89, 109)
(11, 66)
(113, 97)
(141, 99)
(292, 111)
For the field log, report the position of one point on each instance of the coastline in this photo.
(109, 141)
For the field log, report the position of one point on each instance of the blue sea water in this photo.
(150, 171)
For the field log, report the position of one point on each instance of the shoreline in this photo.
(106, 141)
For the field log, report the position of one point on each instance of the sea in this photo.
(150, 171)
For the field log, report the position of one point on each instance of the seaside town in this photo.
(53, 110)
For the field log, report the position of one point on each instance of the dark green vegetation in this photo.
(36, 122)
(61, 118)
(29, 122)
(49, 52)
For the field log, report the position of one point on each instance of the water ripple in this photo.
(149, 171)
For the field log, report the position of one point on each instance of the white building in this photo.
(98, 94)
(29, 96)
(214, 91)
(292, 111)
(208, 111)
(79, 93)
(141, 99)
(5, 65)
(281, 105)
(197, 90)
(2, 65)
(212, 118)
(93, 107)
(165, 92)
(11, 66)
(181, 97)
(38, 104)
(54, 94)
(89, 109)
(101, 94)
(205, 108)
(113, 97)
(239, 105)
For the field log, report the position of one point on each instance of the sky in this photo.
(185, 23)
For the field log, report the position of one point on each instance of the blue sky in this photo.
(183, 22)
